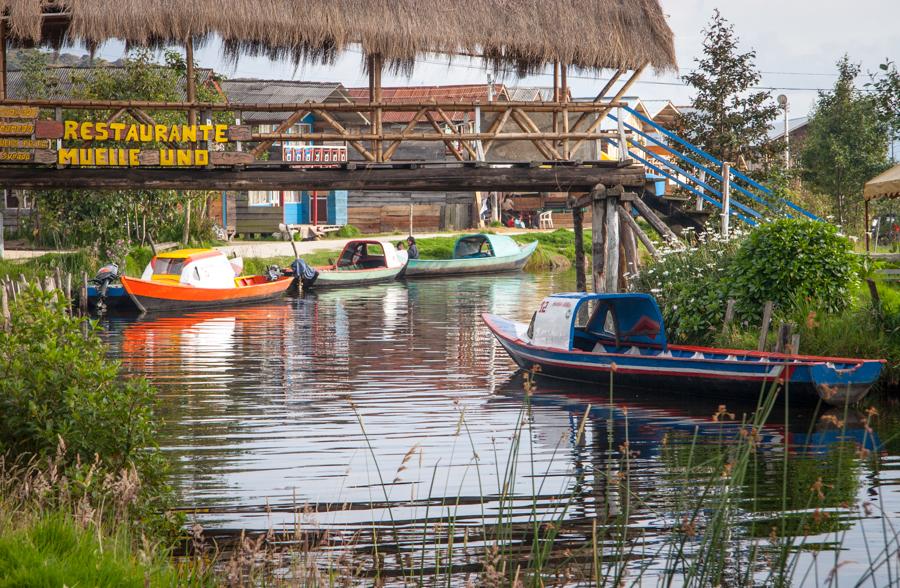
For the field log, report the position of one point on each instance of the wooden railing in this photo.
(573, 123)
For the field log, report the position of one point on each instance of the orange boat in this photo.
(188, 279)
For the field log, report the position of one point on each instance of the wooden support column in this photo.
(375, 96)
(2, 60)
(611, 263)
(636, 230)
(631, 264)
(191, 81)
(602, 114)
(578, 221)
(564, 98)
(598, 237)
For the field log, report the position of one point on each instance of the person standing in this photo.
(412, 250)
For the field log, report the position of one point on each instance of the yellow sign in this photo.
(18, 112)
(103, 131)
(117, 157)
(16, 129)
(16, 155)
(24, 144)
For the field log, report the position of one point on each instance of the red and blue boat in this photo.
(584, 337)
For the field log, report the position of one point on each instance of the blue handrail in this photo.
(710, 171)
(690, 176)
(691, 189)
(735, 174)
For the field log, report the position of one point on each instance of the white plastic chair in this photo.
(545, 220)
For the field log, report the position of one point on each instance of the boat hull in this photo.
(807, 379)
(426, 268)
(350, 278)
(116, 298)
(155, 296)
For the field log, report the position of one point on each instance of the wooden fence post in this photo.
(729, 314)
(578, 222)
(784, 336)
(4, 304)
(83, 296)
(764, 329)
(795, 344)
(598, 238)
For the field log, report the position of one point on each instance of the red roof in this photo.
(418, 94)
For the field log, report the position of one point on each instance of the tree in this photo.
(729, 120)
(886, 86)
(846, 144)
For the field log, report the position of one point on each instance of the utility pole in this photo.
(783, 103)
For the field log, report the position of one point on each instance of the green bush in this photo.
(57, 388)
(793, 262)
(346, 232)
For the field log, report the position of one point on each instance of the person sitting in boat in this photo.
(413, 250)
(402, 254)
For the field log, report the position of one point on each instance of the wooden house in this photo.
(259, 212)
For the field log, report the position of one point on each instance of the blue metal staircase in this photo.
(701, 174)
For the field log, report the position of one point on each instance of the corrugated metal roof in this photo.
(776, 129)
(256, 91)
(529, 94)
(68, 81)
(406, 94)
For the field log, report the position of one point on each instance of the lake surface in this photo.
(387, 406)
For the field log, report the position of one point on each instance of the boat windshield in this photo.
(473, 247)
(168, 265)
(362, 256)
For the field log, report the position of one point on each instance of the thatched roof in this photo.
(525, 34)
(885, 185)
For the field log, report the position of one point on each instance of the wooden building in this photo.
(262, 211)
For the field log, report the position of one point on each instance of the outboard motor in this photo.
(106, 275)
(273, 272)
(303, 272)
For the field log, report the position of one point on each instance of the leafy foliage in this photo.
(57, 388)
(886, 85)
(729, 121)
(792, 262)
(846, 144)
(68, 218)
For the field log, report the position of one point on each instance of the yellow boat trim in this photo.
(182, 253)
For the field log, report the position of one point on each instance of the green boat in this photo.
(475, 254)
(362, 262)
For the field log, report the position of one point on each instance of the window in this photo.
(167, 265)
(259, 198)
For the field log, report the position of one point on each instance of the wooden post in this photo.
(190, 82)
(611, 261)
(69, 290)
(636, 230)
(2, 242)
(410, 218)
(729, 314)
(375, 95)
(795, 344)
(658, 225)
(83, 296)
(4, 305)
(876, 299)
(866, 226)
(598, 237)
(764, 329)
(564, 98)
(726, 198)
(629, 246)
(578, 221)
(784, 336)
(3, 60)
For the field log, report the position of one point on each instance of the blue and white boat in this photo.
(583, 337)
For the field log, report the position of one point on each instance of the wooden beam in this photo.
(191, 80)
(448, 142)
(496, 128)
(602, 113)
(598, 237)
(658, 225)
(406, 130)
(611, 261)
(288, 123)
(578, 221)
(142, 117)
(462, 178)
(599, 98)
(527, 125)
(355, 143)
(449, 123)
(636, 228)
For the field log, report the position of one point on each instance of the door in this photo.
(293, 208)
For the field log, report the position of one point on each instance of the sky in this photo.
(797, 42)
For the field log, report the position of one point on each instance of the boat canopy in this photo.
(623, 319)
(203, 268)
(484, 245)
(369, 254)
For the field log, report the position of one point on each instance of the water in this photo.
(391, 405)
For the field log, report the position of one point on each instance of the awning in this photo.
(886, 185)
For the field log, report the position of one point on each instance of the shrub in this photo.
(793, 262)
(58, 389)
(346, 232)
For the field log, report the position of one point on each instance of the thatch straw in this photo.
(526, 34)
